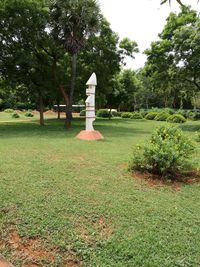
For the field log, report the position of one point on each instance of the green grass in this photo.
(75, 199)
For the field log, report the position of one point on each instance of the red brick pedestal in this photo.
(89, 135)
(4, 263)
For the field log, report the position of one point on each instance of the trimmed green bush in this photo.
(28, 114)
(162, 116)
(136, 116)
(167, 152)
(196, 116)
(143, 112)
(83, 113)
(104, 113)
(116, 113)
(176, 118)
(126, 115)
(151, 115)
(182, 112)
(9, 110)
(15, 115)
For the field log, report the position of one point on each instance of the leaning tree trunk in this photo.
(41, 108)
(68, 120)
(58, 107)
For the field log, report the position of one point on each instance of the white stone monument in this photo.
(90, 133)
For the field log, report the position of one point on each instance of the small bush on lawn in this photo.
(28, 114)
(151, 115)
(176, 118)
(126, 115)
(9, 110)
(197, 136)
(136, 116)
(83, 113)
(103, 113)
(116, 113)
(143, 112)
(171, 111)
(162, 116)
(196, 116)
(182, 112)
(167, 152)
(15, 115)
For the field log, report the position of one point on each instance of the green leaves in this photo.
(178, 1)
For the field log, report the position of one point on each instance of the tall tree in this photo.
(76, 21)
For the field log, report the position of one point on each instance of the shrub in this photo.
(83, 113)
(29, 114)
(176, 118)
(197, 136)
(15, 115)
(196, 115)
(151, 115)
(167, 152)
(162, 116)
(104, 113)
(182, 112)
(171, 111)
(143, 112)
(116, 113)
(190, 114)
(9, 110)
(126, 115)
(136, 116)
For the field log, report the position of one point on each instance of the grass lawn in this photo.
(66, 202)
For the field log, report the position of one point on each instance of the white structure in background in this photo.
(90, 102)
(89, 133)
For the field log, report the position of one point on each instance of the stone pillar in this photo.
(90, 133)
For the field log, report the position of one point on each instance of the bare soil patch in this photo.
(33, 252)
(175, 181)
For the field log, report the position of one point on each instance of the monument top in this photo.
(92, 80)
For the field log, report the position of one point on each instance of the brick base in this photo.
(4, 263)
(89, 135)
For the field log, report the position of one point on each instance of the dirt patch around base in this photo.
(175, 181)
(33, 253)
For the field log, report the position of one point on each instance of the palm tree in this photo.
(178, 1)
(75, 21)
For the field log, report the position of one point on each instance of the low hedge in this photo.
(104, 113)
(162, 116)
(136, 116)
(176, 118)
(151, 115)
(126, 115)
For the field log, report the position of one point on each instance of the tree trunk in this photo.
(68, 120)
(65, 97)
(41, 108)
(58, 106)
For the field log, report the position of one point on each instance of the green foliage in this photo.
(9, 110)
(196, 116)
(143, 112)
(197, 136)
(104, 113)
(167, 152)
(28, 114)
(162, 116)
(15, 115)
(126, 115)
(83, 113)
(136, 116)
(182, 112)
(151, 115)
(176, 118)
(116, 113)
